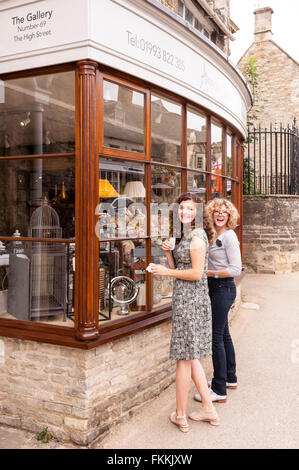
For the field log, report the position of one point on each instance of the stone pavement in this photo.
(262, 413)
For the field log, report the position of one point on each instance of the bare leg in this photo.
(183, 378)
(199, 378)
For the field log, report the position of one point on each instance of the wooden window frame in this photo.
(90, 75)
(110, 152)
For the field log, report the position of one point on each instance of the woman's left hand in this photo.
(210, 273)
(159, 270)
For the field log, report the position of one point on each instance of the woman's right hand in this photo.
(166, 245)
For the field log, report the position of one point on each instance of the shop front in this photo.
(108, 110)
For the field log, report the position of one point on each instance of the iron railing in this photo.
(271, 160)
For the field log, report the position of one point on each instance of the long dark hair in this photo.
(208, 228)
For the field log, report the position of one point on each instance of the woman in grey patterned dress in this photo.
(191, 310)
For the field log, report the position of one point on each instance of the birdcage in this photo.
(48, 265)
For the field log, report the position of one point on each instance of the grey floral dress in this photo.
(191, 309)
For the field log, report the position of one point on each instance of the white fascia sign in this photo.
(130, 36)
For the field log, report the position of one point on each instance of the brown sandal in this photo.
(203, 415)
(184, 427)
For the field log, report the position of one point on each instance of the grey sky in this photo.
(284, 25)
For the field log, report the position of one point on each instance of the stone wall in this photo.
(80, 394)
(271, 234)
(278, 74)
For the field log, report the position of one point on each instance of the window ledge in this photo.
(63, 336)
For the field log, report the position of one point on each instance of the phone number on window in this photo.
(155, 50)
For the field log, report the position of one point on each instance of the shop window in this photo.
(122, 217)
(229, 155)
(166, 130)
(162, 286)
(228, 189)
(216, 158)
(166, 186)
(122, 278)
(197, 183)
(123, 118)
(196, 141)
(122, 199)
(31, 183)
(38, 115)
(37, 279)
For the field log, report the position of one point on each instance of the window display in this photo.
(216, 158)
(38, 115)
(123, 118)
(30, 183)
(148, 148)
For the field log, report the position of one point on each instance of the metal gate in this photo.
(271, 160)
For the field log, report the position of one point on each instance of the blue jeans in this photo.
(222, 294)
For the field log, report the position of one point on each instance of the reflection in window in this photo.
(166, 130)
(216, 158)
(27, 184)
(37, 279)
(166, 184)
(122, 211)
(38, 115)
(229, 155)
(118, 295)
(229, 190)
(123, 118)
(196, 141)
(196, 183)
(162, 286)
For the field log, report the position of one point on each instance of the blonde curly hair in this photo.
(216, 204)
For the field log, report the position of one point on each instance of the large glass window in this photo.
(122, 216)
(122, 278)
(196, 183)
(229, 155)
(166, 130)
(162, 286)
(122, 211)
(37, 115)
(196, 140)
(37, 281)
(123, 118)
(26, 185)
(216, 157)
(37, 191)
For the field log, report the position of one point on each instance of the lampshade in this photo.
(134, 189)
(106, 189)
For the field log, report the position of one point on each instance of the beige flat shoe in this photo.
(183, 426)
(203, 415)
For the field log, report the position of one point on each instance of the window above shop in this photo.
(194, 17)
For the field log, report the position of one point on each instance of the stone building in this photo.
(279, 73)
(131, 104)
(271, 226)
(209, 17)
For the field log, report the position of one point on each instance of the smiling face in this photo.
(220, 217)
(187, 211)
